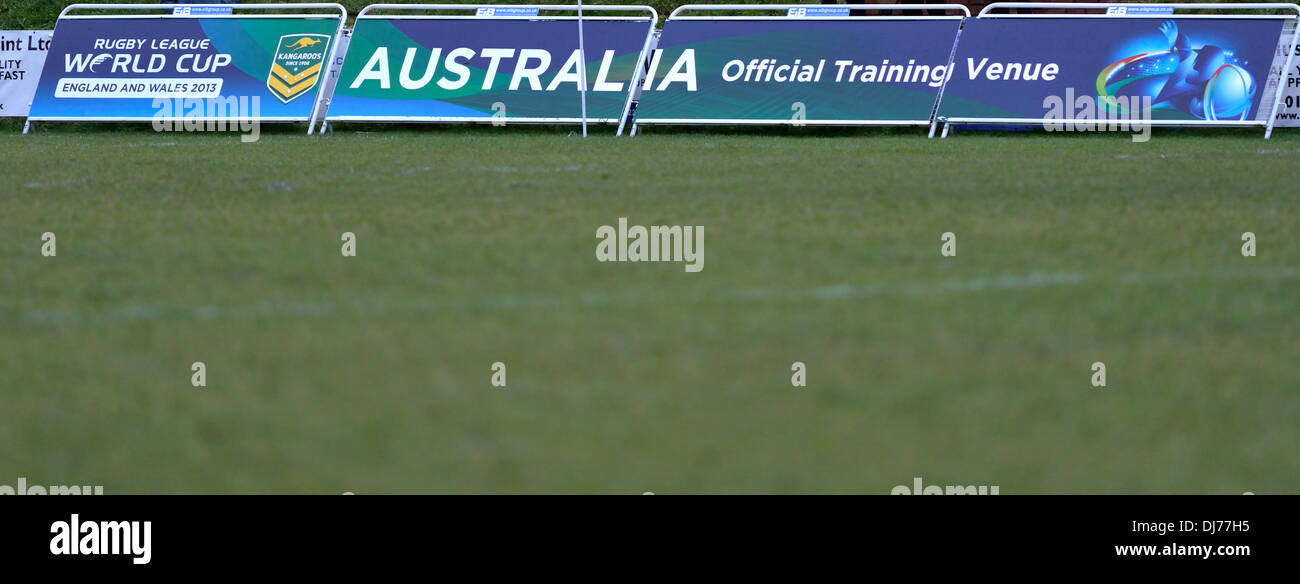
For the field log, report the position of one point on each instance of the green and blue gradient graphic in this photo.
(1192, 69)
(371, 100)
(251, 44)
(718, 42)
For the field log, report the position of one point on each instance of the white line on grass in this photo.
(830, 293)
(56, 183)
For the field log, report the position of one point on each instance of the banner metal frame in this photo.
(1266, 123)
(962, 14)
(651, 14)
(342, 17)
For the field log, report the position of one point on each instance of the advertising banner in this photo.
(844, 71)
(114, 68)
(22, 54)
(1288, 113)
(1175, 70)
(497, 66)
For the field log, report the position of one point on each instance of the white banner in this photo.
(332, 79)
(1288, 111)
(22, 54)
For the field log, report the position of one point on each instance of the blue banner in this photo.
(123, 68)
(1181, 69)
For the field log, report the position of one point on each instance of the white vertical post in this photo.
(638, 76)
(324, 79)
(1281, 82)
(938, 98)
(582, 55)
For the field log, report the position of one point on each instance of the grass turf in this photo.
(371, 374)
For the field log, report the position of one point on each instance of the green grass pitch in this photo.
(371, 374)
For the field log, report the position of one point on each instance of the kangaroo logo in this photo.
(303, 43)
(296, 68)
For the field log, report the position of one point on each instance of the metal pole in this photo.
(1281, 82)
(582, 55)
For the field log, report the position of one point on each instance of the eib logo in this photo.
(297, 65)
